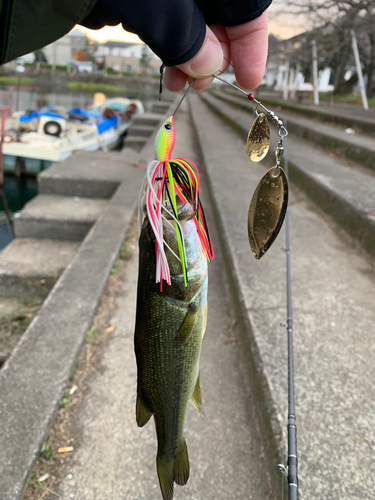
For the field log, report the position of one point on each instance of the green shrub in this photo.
(14, 80)
(97, 87)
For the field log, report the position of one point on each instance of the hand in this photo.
(244, 45)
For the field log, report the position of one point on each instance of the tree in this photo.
(40, 56)
(332, 22)
(145, 60)
(89, 50)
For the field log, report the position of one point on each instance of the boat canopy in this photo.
(37, 114)
(107, 124)
(102, 123)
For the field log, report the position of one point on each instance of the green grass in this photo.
(354, 98)
(14, 80)
(17, 322)
(97, 87)
(58, 67)
(91, 334)
(47, 451)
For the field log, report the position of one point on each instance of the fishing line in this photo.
(183, 97)
(291, 470)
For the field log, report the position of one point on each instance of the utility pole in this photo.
(54, 48)
(359, 71)
(286, 81)
(296, 81)
(315, 73)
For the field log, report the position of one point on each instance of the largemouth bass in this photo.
(170, 325)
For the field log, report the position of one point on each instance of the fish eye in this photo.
(168, 126)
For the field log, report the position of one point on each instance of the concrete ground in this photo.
(333, 291)
(229, 453)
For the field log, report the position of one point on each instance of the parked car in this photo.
(83, 66)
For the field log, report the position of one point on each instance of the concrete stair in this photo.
(345, 191)
(143, 126)
(359, 148)
(135, 142)
(88, 175)
(344, 116)
(333, 293)
(140, 130)
(31, 266)
(161, 107)
(58, 217)
(150, 119)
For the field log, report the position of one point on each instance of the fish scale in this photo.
(168, 336)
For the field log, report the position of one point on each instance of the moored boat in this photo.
(39, 138)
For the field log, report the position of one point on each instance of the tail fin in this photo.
(170, 471)
(165, 473)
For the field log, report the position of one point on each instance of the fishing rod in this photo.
(291, 470)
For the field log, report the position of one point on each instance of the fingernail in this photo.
(207, 61)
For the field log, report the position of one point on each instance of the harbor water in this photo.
(18, 192)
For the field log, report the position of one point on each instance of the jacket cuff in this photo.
(232, 12)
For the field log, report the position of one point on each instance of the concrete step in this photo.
(31, 266)
(147, 119)
(333, 293)
(135, 142)
(160, 108)
(342, 191)
(33, 379)
(359, 147)
(88, 175)
(141, 130)
(58, 217)
(346, 117)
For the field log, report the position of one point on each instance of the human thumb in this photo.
(207, 61)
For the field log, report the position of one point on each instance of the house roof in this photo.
(76, 33)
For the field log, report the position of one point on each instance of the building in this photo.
(62, 51)
(122, 56)
(117, 55)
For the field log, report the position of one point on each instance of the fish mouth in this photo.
(185, 211)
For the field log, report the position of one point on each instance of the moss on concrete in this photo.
(15, 316)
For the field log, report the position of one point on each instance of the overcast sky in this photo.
(283, 25)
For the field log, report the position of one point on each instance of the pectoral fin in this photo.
(204, 320)
(196, 398)
(187, 325)
(143, 414)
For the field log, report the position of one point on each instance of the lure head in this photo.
(164, 141)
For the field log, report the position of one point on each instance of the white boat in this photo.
(52, 134)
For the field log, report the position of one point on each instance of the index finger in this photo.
(248, 47)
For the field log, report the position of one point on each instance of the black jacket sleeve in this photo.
(232, 12)
(27, 25)
(173, 29)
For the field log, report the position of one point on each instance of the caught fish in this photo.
(171, 320)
